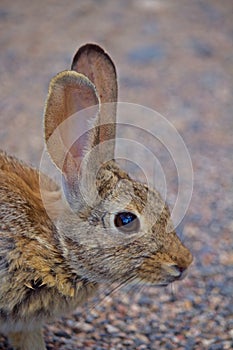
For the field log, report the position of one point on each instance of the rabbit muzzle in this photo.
(175, 272)
(167, 266)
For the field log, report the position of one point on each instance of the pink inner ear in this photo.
(81, 106)
(76, 151)
(74, 156)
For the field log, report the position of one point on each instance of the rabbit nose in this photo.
(179, 271)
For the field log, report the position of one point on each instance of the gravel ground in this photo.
(174, 56)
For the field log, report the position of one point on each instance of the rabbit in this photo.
(108, 229)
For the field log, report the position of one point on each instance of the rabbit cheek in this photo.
(151, 273)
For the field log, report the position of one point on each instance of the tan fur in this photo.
(35, 269)
(53, 256)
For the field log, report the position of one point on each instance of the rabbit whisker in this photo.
(107, 290)
(173, 292)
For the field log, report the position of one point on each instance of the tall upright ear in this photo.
(69, 92)
(92, 61)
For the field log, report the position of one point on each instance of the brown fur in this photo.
(53, 256)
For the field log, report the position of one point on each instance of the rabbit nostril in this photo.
(175, 271)
(179, 269)
(181, 272)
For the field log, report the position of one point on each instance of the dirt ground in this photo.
(176, 57)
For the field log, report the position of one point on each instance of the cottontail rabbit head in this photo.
(115, 229)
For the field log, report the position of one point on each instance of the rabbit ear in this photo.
(92, 61)
(69, 92)
(93, 84)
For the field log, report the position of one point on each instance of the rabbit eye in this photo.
(127, 222)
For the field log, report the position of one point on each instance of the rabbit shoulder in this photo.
(36, 282)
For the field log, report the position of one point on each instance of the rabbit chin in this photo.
(166, 274)
(163, 282)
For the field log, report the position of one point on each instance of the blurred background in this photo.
(176, 57)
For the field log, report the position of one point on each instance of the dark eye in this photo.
(127, 222)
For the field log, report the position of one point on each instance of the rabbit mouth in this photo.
(163, 276)
(168, 279)
(174, 272)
